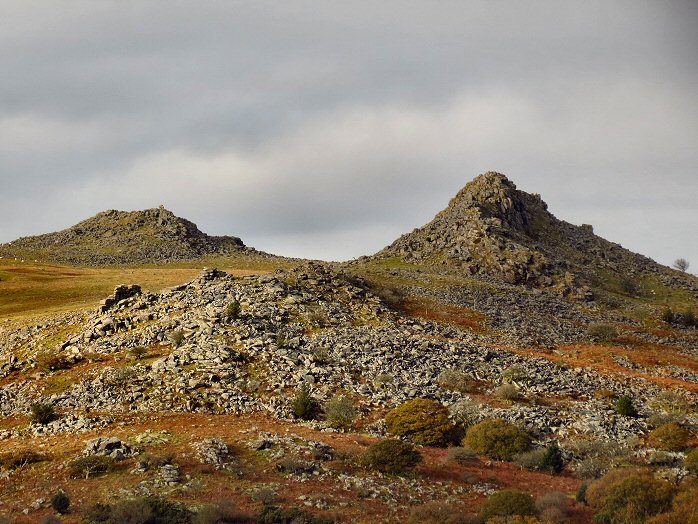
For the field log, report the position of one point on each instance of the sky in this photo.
(328, 129)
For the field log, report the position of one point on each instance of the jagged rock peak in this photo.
(493, 195)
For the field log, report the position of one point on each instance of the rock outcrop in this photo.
(491, 228)
(124, 237)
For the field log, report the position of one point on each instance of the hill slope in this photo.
(124, 237)
(491, 228)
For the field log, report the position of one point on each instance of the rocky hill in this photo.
(123, 237)
(491, 228)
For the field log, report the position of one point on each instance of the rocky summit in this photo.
(492, 228)
(124, 237)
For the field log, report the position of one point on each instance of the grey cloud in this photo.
(337, 126)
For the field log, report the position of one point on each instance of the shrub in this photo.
(60, 502)
(305, 407)
(669, 437)
(515, 373)
(176, 337)
(439, 512)
(684, 509)
(42, 413)
(507, 392)
(391, 456)
(222, 512)
(530, 459)
(142, 510)
(49, 362)
(466, 413)
(552, 507)
(629, 496)
(275, 515)
(552, 461)
(687, 318)
(497, 439)
(93, 465)
(137, 353)
(625, 407)
(581, 495)
(232, 311)
(462, 455)
(17, 459)
(672, 402)
(422, 421)
(668, 316)
(691, 462)
(601, 332)
(506, 503)
(681, 264)
(340, 413)
(48, 519)
(455, 380)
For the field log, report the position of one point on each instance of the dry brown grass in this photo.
(29, 289)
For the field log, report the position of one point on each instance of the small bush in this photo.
(142, 510)
(497, 439)
(422, 421)
(137, 353)
(581, 495)
(629, 496)
(275, 515)
(17, 459)
(530, 459)
(669, 437)
(48, 519)
(507, 392)
(42, 413)
(49, 362)
(176, 337)
(691, 462)
(391, 456)
(552, 507)
(91, 466)
(340, 413)
(602, 332)
(60, 502)
(305, 407)
(455, 380)
(625, 407)
(232, 311)
(552, 461)
(220, 513)
(462, 455)
(507, 503)
(466, 413)
(515, 373)
(439, 512)
(668, 316)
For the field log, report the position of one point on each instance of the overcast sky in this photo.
(326, 129)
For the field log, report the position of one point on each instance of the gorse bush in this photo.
(391, 456)
(144, 510)
(42, 413)
(497, 439)
(507, 503)
(275, 515)
(669, 437)
(220, 513)
(462, 455)
(422, 421)
(629, 496)
(176, 337)
(507, 392)
(455, 380)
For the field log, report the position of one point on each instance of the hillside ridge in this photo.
(124, 237)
